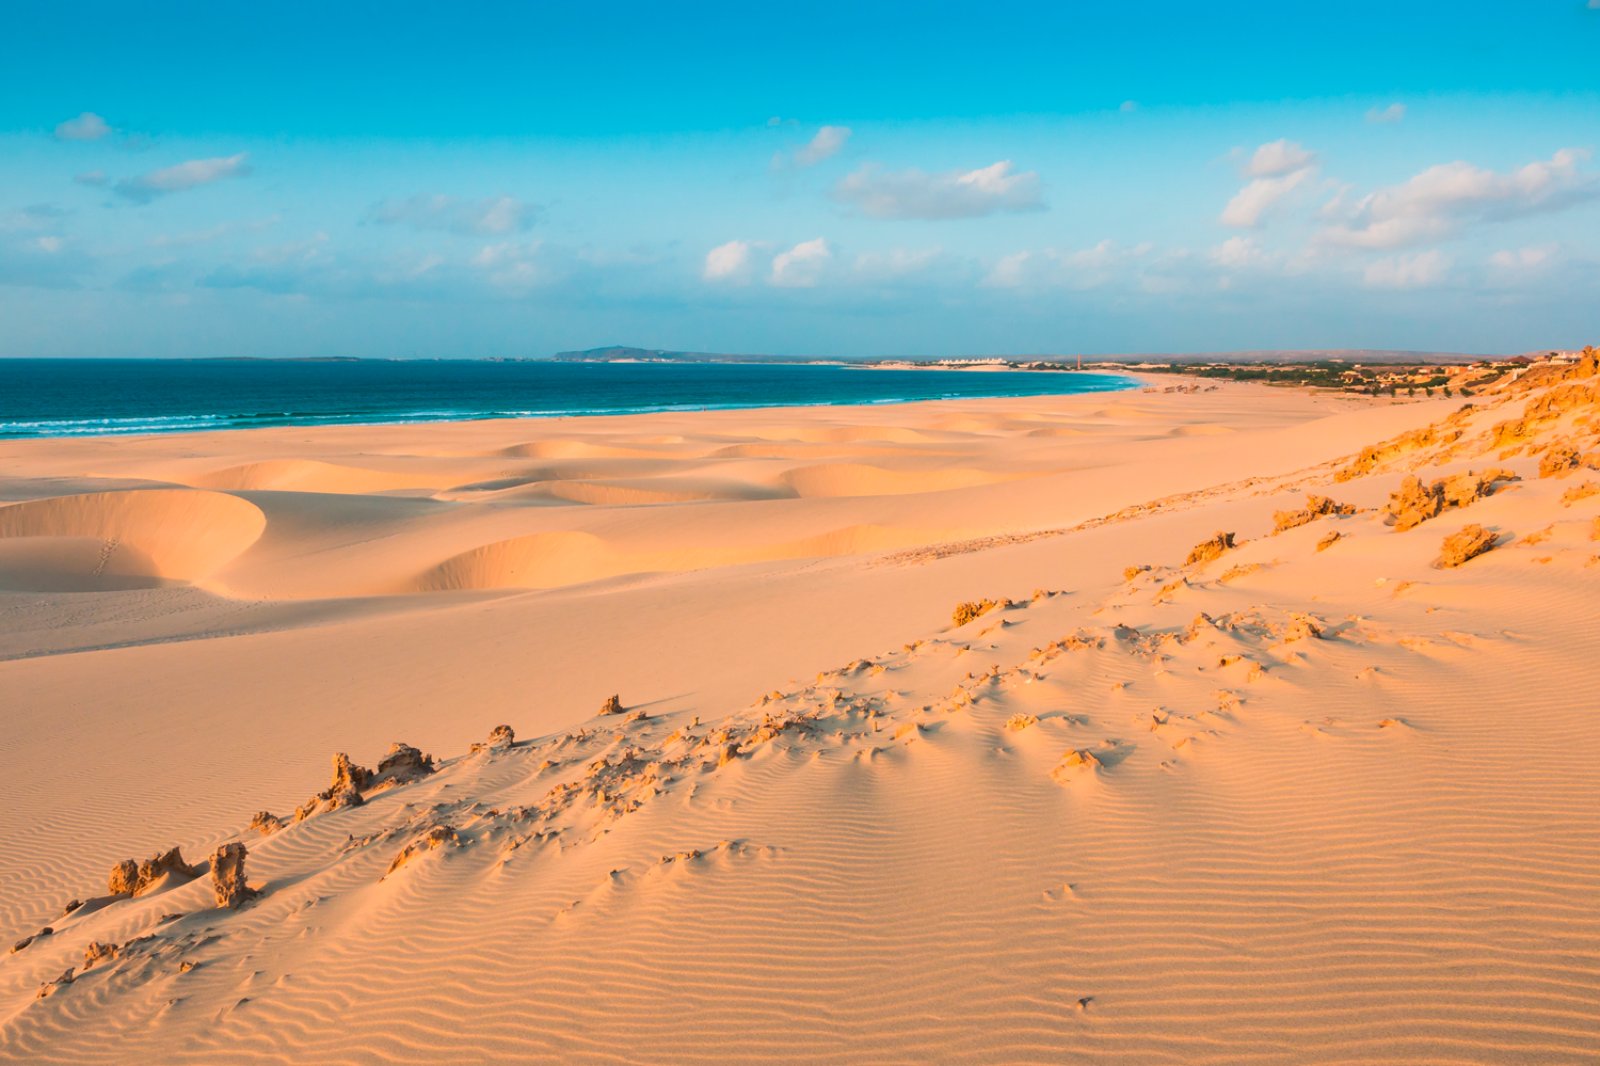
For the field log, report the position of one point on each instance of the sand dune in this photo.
(74, 564)
(577, 449)
(1223, 761)
(117, 537)
(1202, 430)
(539, 560)
(551, 560)
(824, 433)
(306, 475)
(630, 491)
(862, 479)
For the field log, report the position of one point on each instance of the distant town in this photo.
(1372, 378)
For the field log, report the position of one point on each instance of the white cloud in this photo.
(86, 127)
(495, 215)
(728, 262)
(1010, 271)
(802, 265)
(1382, 115)
(1277, 158)
(956, 194)
(1335, 207)
(1129, 107)
(1276, 169)
(825, 145)
(1442, 199)
(1523, 259)
(508, 264)
(1408, 271)
(190, 175)
(1094, 257)
(1252, 203)
(1240, 253)
(92, 177)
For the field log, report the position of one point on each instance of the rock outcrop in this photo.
(612, 705)
(1561, 459)
(1375, 455)
(500, 737)
(348, 774)
(349, 778)
(437, 837)
(227, 877)
(265, 823)
(1303, 627)
(1470, 543)
(1074, 764)
(1462, 489)
(1208, 550)
(129, 878)
(402, 765)
(1316, 507)
(50, 988)
(1415, 501)
(966, 612)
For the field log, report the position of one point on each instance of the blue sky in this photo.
(413, 180)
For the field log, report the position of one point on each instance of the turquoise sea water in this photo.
(92, 397)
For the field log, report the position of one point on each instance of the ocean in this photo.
(96, 397)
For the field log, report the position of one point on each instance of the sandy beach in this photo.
(1244, 748)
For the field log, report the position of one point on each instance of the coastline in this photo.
(1127, 752)
(237, 394)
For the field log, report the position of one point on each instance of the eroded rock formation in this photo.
(1208, 550)
(1470, 543)
(1316, 507)
(129, 878)
(402, 765)
(966, 612)
(227, 876)
(1415, 501)
(434, 838)
(1375, 455)
(1561, 459)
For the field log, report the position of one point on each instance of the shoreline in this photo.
(209, 421)
(1080, 682)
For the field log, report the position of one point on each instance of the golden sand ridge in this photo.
(1238, 724)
